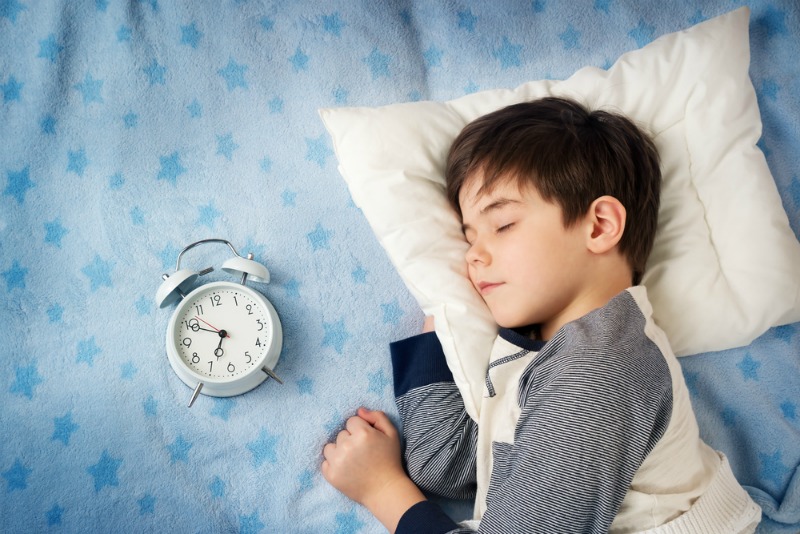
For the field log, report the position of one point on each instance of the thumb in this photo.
(377, 419)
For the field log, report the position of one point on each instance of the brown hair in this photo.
(572, 156)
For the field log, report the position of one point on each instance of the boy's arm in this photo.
(440, 438)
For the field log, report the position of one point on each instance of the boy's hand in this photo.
(427, 326)
(365, 464)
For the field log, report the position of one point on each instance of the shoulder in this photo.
(607, 348)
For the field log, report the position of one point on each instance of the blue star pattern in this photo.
(190, 35)
(55, 313)
(48, 124)
(336, 335)
(10, 9)
(15, 276)
(19, 182)
(250, 524)
(333, 24)
(508, 54)
(99, 273)
(105, 471)
(49, 48)
(319, 237)
(54, 232)
(155, 73)
(131, 120)
(433, 57)
(318, 150)
(264, 448)
(222, 408)
(64, 428)
(305, 385)
(217, 488)
(772, 22)
(467, 20)
(87, 350)
(55, 515)
(378, 64)
(233, 74)
(359, 275)
(147, 505)
(77, 161)
(16, 477)
(773, 468)
(26, 379)
(642, 34)
(749, 367)
(378, 382)
(226, 146)
(571, 38)
(299, 60)
(392, 312)
(179, 450)
(12, 89)
(171, 168)
(131, 129)
(208, 214)
(348, 523)
(90, 89)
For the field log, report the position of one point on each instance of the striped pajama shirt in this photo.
(589, 432)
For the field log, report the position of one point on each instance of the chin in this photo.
(507, 322)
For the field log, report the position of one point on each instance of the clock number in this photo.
(260, 325)
(235, 301)
(216, 300)
(198, 308)
(249, 309)
(187, 342)
(195, 358)
(249, 358)
(210, 366)
(192, 324)
(258, 343)
(231, 368)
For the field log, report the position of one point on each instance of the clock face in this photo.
(223, 331)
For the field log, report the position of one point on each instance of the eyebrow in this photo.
(492, 206)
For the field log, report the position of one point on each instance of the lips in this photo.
(487, 287)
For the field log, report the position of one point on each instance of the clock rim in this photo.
(222, 387)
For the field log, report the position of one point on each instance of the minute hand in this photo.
(217, 330)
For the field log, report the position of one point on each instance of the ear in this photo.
(606, 217)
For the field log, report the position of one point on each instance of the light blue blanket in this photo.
(130, 129)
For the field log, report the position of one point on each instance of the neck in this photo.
(596, 293)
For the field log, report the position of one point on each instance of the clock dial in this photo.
(223, 333)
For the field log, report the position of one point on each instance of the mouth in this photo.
(487, 287)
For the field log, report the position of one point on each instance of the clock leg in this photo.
(272, 375)
(195, 393)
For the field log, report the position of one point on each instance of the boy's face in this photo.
(522, 261)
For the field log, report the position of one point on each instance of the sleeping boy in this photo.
(585, 423)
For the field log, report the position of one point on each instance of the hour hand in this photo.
(222, 333)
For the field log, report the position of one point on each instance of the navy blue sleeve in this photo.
(425, 517)
(418, 361)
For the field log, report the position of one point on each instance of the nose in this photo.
(477, 253)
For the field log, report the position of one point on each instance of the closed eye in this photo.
(504, 228)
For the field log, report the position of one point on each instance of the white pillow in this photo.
(725, 265)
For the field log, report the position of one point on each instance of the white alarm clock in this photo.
(224, 338)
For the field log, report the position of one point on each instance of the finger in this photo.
(341, 436)
(327, 451)
(355, 423)
(377, 419)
